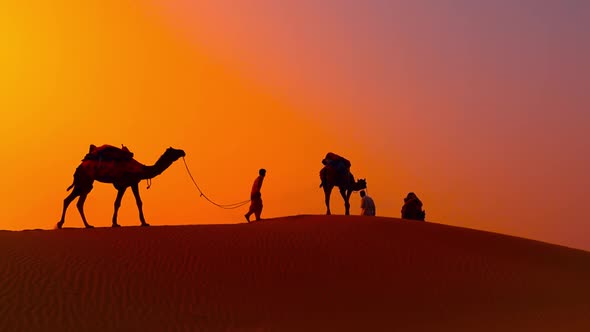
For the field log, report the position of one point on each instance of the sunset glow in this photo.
(481, 109)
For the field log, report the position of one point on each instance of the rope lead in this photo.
(223, 206)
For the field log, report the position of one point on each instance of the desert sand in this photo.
(300, 273)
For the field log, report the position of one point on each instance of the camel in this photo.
(344, 181)
(116, 166)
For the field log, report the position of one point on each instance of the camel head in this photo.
(360, 184)
(173, 154)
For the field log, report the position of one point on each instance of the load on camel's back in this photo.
(336, 168)
(338, 162)
(108, 153)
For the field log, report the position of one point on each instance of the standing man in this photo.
(367, 205)
(256, 197)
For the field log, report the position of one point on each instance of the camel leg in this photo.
(80, 206)
(120, 193)
(327, 193)
(346, 196)
(347, 205)
(135, 189)
(67, 202)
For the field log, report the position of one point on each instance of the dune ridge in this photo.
(292, 273)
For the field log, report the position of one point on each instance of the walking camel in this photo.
(109, 164)
(345, 182)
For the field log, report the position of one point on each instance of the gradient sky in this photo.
(481, 108)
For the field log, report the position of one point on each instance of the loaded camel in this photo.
(109, 164)
(336, 173)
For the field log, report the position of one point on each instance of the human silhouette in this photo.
(336, 173)
(367, 204)
(110, 164)
(256, 197)
(412, 208)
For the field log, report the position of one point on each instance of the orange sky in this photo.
(471, 115)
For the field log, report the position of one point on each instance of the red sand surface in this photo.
(297, 273)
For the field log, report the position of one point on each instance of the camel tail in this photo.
(76, 176)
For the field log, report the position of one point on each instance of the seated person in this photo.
(367, 204)
(412, 208)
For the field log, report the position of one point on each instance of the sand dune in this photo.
(297, 273)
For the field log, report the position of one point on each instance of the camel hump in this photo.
(108, 153)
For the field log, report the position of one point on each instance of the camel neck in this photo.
(156, 169)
